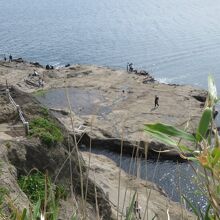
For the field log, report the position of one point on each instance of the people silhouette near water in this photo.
(10, 58)
(130, 67)
(156, 101)
(5, 59)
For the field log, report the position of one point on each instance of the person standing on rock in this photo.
(5, 59)
(131, 67)
(156, 101)
(10, 58)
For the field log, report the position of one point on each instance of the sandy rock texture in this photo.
(113, 105)
(106, 174)
(20, 154)
(116, 104)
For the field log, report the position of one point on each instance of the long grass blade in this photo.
(194, 209)
(207, 212)
(36, 213)
(24, 214)
(204, 124)
(161, 137)
(212, 89)
(170, 131)
(129, 214)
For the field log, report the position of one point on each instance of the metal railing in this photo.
(20, 113)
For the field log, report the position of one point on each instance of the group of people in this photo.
(40, 79)
(9, 58)
(130, 67)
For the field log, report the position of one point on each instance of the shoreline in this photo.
(134, 103)
(113, 68)
(23, 154)
(116, 100)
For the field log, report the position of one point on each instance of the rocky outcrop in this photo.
(6, 109)
(106, 174)
(8, 184)
(25, 154)
(116, 104)
(31, 154)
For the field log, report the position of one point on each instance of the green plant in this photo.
(60, 192)
(8, 144)
(3, 193)
(40, 92)
(130, 212)
(44, 111)
(44, 196)
(33, 186)
(46, 130)
(207, 157)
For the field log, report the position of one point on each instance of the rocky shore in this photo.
(111, 108)
(113, 105)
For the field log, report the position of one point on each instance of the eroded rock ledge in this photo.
(20, 154)
(113, 104)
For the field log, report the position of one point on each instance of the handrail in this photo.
(20, 113)
(12, 100)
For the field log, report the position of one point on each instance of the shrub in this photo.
(46, 130)
(44, 196)
(33, 186)
(44, 111)
(8, 144)
(40, 92)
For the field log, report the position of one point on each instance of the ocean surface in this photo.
(178, 41)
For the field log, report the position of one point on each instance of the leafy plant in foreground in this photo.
(207, 157)
(44, 196)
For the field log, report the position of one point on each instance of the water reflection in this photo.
(173, 177)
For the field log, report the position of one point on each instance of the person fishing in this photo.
(127, 67)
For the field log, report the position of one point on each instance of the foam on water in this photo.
(164, 80)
